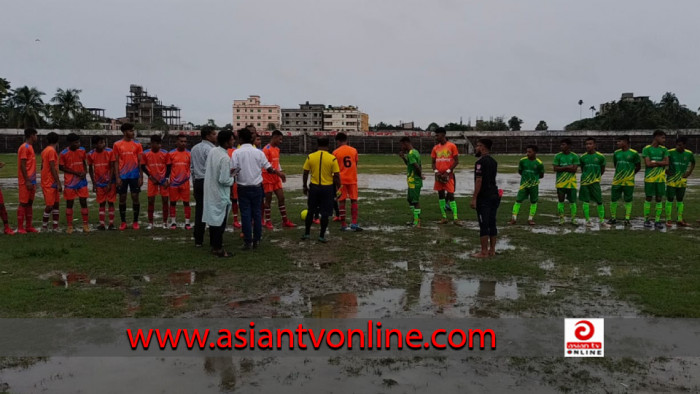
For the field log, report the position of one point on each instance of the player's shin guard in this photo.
(283, 213)
(516, 210)
(441, 202)
(173, 214)
(659, 209)
(47, 216)
(453, 207)
(188, 214)
(628, 210)
(416, 216)
(341, 211)
(613, 210)
(69, 217)
(20, 217)
(122, 212)
(166, 213)
(560, 209)
(681, 207)
(28, 213)
(574, 209)
(268, 215)
(102, 215)
(55, 214)
(234, 210)
(533, 211)
(111, 214)
(586, 211)
(669, 210)
(647, 209)
(353, 211)
(601, 213)
(84, 214)
(151, 208)
(3, 216)
(137, 209)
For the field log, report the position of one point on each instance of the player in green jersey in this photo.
(531, 170)
(592, 170)
(627, 163)
(680, 165)
(655, 160)
(565, 165)
(414, 176)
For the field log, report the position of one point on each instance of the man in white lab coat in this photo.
(217, 192)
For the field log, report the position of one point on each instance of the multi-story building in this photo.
(308, 117)
(345, 118)
(144, 109)
(251, 112)
(364, 124)
(626, 97)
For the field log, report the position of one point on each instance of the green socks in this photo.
(442, 208)
(680, 206)
(416, 216)
(453, 207)
(613, 210)
(586, 211)
(533, 210)
(628, 210)
(647, 209)
(669, 210)
(516, 210)
(659, 209)
(560, 209)
(574, 209)
(601, 213)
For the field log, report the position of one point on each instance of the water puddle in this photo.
(547, 265)
(605, 271)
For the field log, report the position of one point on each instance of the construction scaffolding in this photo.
(149, 110)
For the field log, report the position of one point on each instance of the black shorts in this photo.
(321, 199)
(486, 210)
(131, 184)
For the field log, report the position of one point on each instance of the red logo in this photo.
(581, 333)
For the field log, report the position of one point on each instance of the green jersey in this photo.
(678, 164)
(591, 165)
(625, 162)
(655, 174)
(412, 158)
(566, 180)
(530, 172)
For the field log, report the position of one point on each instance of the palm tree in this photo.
(27, 109)
(67, 106)
(592, 111)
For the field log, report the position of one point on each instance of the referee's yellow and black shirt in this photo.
(321, 166)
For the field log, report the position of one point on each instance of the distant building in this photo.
(308, 117)
(345, 118)
(364, 124)
(148, 110)
(251, 112)
(626, 97)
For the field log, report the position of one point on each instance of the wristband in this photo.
(436, 171)
(448, 171)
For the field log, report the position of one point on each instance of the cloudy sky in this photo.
(398, 60)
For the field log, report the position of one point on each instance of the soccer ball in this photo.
(303, 214)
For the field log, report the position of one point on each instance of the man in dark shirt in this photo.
(486, 197)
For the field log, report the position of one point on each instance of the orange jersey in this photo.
(180, 170)
(347, 161)
(156, 163)
(128, 154)
(272, 154)
(73, 160)
(48, 155)
(26, 151)
(444, 155)
(230, 151)
(101, 163)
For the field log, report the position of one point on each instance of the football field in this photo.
(387, 270)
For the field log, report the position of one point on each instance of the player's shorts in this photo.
(72, 194)
(532, 192)
(448, 186)
(272, 186)
(569, 194)
(414, 192)
(51, 196)
(129, 184)
(321, 199)
(155, 189)
(348, 192)
(617, 191)
(26, 195)
(107, 193)
(180, 193)
(590, 193)
(673, 193)
(656, 189)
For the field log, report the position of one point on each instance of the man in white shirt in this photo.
(198, 160)
(246, 163)
(217, 192)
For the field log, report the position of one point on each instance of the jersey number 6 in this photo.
(347, 162)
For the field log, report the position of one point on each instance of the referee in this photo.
(486, 197)
(325, 181)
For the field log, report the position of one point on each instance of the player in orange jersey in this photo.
(73, 163)
(127, 167)
(155, 163)
(50, 182)
(101, 167)
(445, 158)
(26, 177)
(272, 183)
(180, 181)
(347, 160)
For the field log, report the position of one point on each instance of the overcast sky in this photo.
(397, 60)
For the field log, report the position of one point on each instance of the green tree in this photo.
(26, 108)
(271, 127)
(212, 123)
(514, 123)
(4, 94)
(541, 126)
(66, 108)
(432, 127)
(457, 127)
(493, 124)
